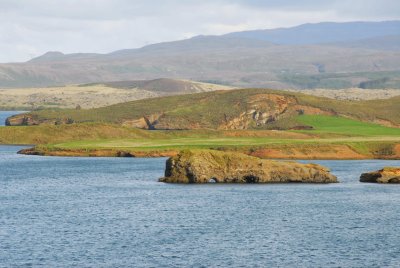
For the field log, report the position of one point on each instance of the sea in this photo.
(113, 212)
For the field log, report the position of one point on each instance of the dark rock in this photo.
(385, 175)
(124, 154)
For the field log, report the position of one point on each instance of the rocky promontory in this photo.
(28, 119)
(21, 120)
(385, 175)
(204, 166)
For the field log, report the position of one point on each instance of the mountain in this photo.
(323, 55)
(55, 56)
(325, 32)
(388, 42)
(198, 44)
(230, 109)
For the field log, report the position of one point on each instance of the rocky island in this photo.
(204, 166)
(385, 175)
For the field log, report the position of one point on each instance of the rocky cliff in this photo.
(385, 175)
(203, 166)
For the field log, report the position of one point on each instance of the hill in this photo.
(234, 109)
(98, 94)
(325, 55)
(165, 86)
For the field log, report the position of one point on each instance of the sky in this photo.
(29, 28)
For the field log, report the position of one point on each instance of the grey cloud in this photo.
(29, 28)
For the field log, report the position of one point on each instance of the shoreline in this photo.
(344, 153)
(16, 144)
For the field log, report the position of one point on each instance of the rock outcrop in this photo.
(203, 166)
(21, 120)
(385, 175)
(263, 109)
(32, 120)
(145, 122)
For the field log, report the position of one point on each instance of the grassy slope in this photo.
(327, 129)
(363, 138)
(388, 109)
(209, 109)
(87, 133)
(46, 134)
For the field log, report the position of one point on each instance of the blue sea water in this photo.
(112, 212)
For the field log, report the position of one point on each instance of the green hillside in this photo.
(345, 126)
(236, 109)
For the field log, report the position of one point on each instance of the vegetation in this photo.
(211, 109)
(97, 95)
(372, 80)
(345, 126)
(317, 81)
(377, 83)
(336, 128)
(325, 141)
(46, 134)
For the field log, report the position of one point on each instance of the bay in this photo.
(112, 212)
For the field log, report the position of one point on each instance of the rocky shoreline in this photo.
(97, 153)
(242, 168)
(334, 152)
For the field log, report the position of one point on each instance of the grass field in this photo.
(345, 126)
(214, 143)
(332, 137)
(334, 148)
(326, 129)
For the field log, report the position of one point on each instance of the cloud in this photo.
(30, 28)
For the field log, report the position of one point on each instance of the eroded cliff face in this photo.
(204, 166)
(263, 109)
(145, 122)
(385, 175)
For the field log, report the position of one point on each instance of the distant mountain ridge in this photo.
(322, 55)
(53, 56)
(324, 32)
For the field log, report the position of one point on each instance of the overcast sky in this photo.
(30, 28)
